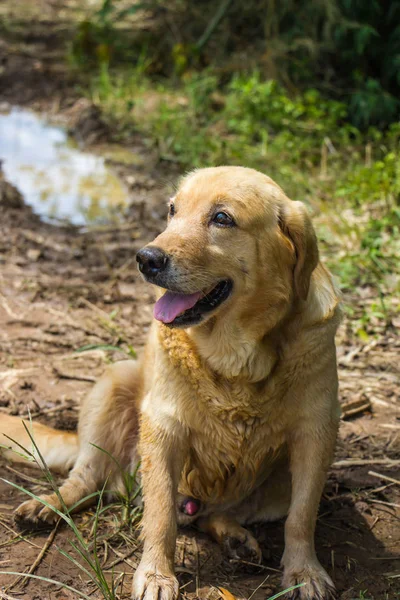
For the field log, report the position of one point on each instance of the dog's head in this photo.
(235, 248)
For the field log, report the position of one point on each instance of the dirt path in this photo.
(61, 290)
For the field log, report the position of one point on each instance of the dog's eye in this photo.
(171, 209)
(223, 220)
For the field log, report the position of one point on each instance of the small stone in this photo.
(34, 254)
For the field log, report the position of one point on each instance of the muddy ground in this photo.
(62, 289)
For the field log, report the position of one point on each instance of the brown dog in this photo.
(236, 391)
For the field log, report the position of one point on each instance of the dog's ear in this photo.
(296, 225)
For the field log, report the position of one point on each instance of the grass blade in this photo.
(279, 594)
(76, 562)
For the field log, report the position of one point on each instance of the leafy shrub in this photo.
(349, 50)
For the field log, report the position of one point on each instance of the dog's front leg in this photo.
(311, 452)
(162, 457)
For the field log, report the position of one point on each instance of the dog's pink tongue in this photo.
(172, 304)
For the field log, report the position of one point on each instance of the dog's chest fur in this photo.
(236, 428)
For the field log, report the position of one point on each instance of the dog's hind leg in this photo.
(108, 430)
(268, 502)
(236, 541)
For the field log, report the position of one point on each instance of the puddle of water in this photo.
(56, 179)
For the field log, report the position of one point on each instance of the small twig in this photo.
(7, 307)
(73, 376)
(354, 407)
(182, 560)
(10, 540)
(374, 523)
(121, 583)
(381, 488)
(26, 477)
(4, 596)
(197, 567)
(96, 309)
(258, 587)
(392, 442)
(361, 462)
(105, 558)
(384, 477)
(186, 584)
(122, 558)
(23, 580)
(382, 502)
(16, 534)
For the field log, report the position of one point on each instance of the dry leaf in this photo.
(226, 594)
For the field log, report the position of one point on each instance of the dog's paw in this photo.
(242, 546)
(317, 584)
(36, 513)
(150, 585)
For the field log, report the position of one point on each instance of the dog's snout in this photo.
(151, 260)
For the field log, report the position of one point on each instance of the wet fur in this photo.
(240, 412)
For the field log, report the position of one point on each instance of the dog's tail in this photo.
(59, 449)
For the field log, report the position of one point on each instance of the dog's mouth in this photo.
(183, 310)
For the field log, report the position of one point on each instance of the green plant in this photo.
(347, 50)
(131, 512)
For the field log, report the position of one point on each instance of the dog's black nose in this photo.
(151, 260)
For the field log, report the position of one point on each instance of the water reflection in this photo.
(55, 178)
